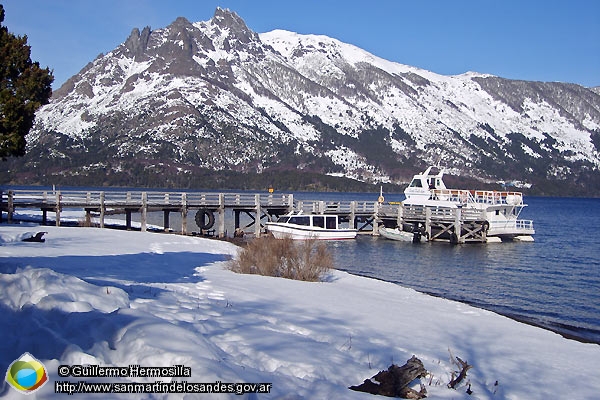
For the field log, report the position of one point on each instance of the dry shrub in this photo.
(305, 260)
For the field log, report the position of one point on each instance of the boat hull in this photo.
(281, 230)
(397, 234)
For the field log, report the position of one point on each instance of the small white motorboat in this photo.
(310, 226)
(400, 235)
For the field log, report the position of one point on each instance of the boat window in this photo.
(305, 220)
(415, 183)
(331, 222)
(319, 221)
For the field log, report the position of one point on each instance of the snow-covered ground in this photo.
(115, 298)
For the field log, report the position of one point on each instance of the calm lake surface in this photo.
(553, 282)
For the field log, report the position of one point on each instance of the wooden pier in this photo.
(206, 205)
(455, 225)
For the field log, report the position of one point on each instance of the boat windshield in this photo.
(300, 220)
(415, 183)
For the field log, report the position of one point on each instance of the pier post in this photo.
(258, 211)
(236, 219)
(184, 212)
(88, 211)
(458, 225)
(352, 221)
(144, 211)
(290, 203)
(221, 215)
(57, 209)
(321, 207)
(128, 219)
(428, 222)
(103, 210)
(375, 217)
(11, 206)
(166, 220)
(166, 212)
(88, 218)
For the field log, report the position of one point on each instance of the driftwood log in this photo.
(464, 367)
(394, 381)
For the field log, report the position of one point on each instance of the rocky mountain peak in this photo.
(180, 39)
(227, 20)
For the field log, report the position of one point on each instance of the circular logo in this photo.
(26, 374)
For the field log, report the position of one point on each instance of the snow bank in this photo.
(116, 298)
(45, 289)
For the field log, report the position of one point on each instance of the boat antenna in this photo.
(438, 163)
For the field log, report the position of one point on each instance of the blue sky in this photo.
(517, 39)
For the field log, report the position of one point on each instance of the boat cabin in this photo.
(310, 226)
(422, 184)
(319, 221)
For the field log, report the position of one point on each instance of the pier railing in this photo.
(522, 226)
(491, 197)
(49, 199)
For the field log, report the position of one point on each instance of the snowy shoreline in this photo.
(131, 293)
(516, 318)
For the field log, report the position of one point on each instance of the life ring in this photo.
(205, 219)
(380, 199)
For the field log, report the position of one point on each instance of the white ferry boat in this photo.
(488, 214)
(309, 226)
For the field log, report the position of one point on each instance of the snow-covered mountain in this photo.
(216, 96)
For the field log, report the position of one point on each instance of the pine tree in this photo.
(24, 87)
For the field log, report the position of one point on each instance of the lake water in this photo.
(553, 282)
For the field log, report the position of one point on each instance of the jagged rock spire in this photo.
(137, 42)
